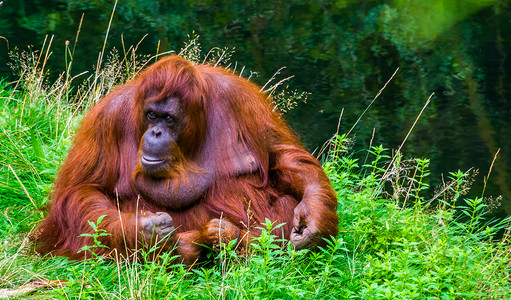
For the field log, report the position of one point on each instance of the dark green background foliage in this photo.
(342, 52)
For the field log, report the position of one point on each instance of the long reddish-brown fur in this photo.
(228, 114)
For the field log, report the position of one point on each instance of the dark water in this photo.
(342, 52)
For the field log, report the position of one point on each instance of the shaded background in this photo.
(342, 52)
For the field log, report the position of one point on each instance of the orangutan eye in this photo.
(169, 119)
(151, 115)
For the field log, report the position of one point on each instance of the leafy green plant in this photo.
(96, 235)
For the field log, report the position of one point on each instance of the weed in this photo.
(98, 233)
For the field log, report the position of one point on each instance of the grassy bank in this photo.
(397, 241)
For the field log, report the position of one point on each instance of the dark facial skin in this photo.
(163, 179)
(164, 126)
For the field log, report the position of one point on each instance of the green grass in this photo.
(396, 241)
